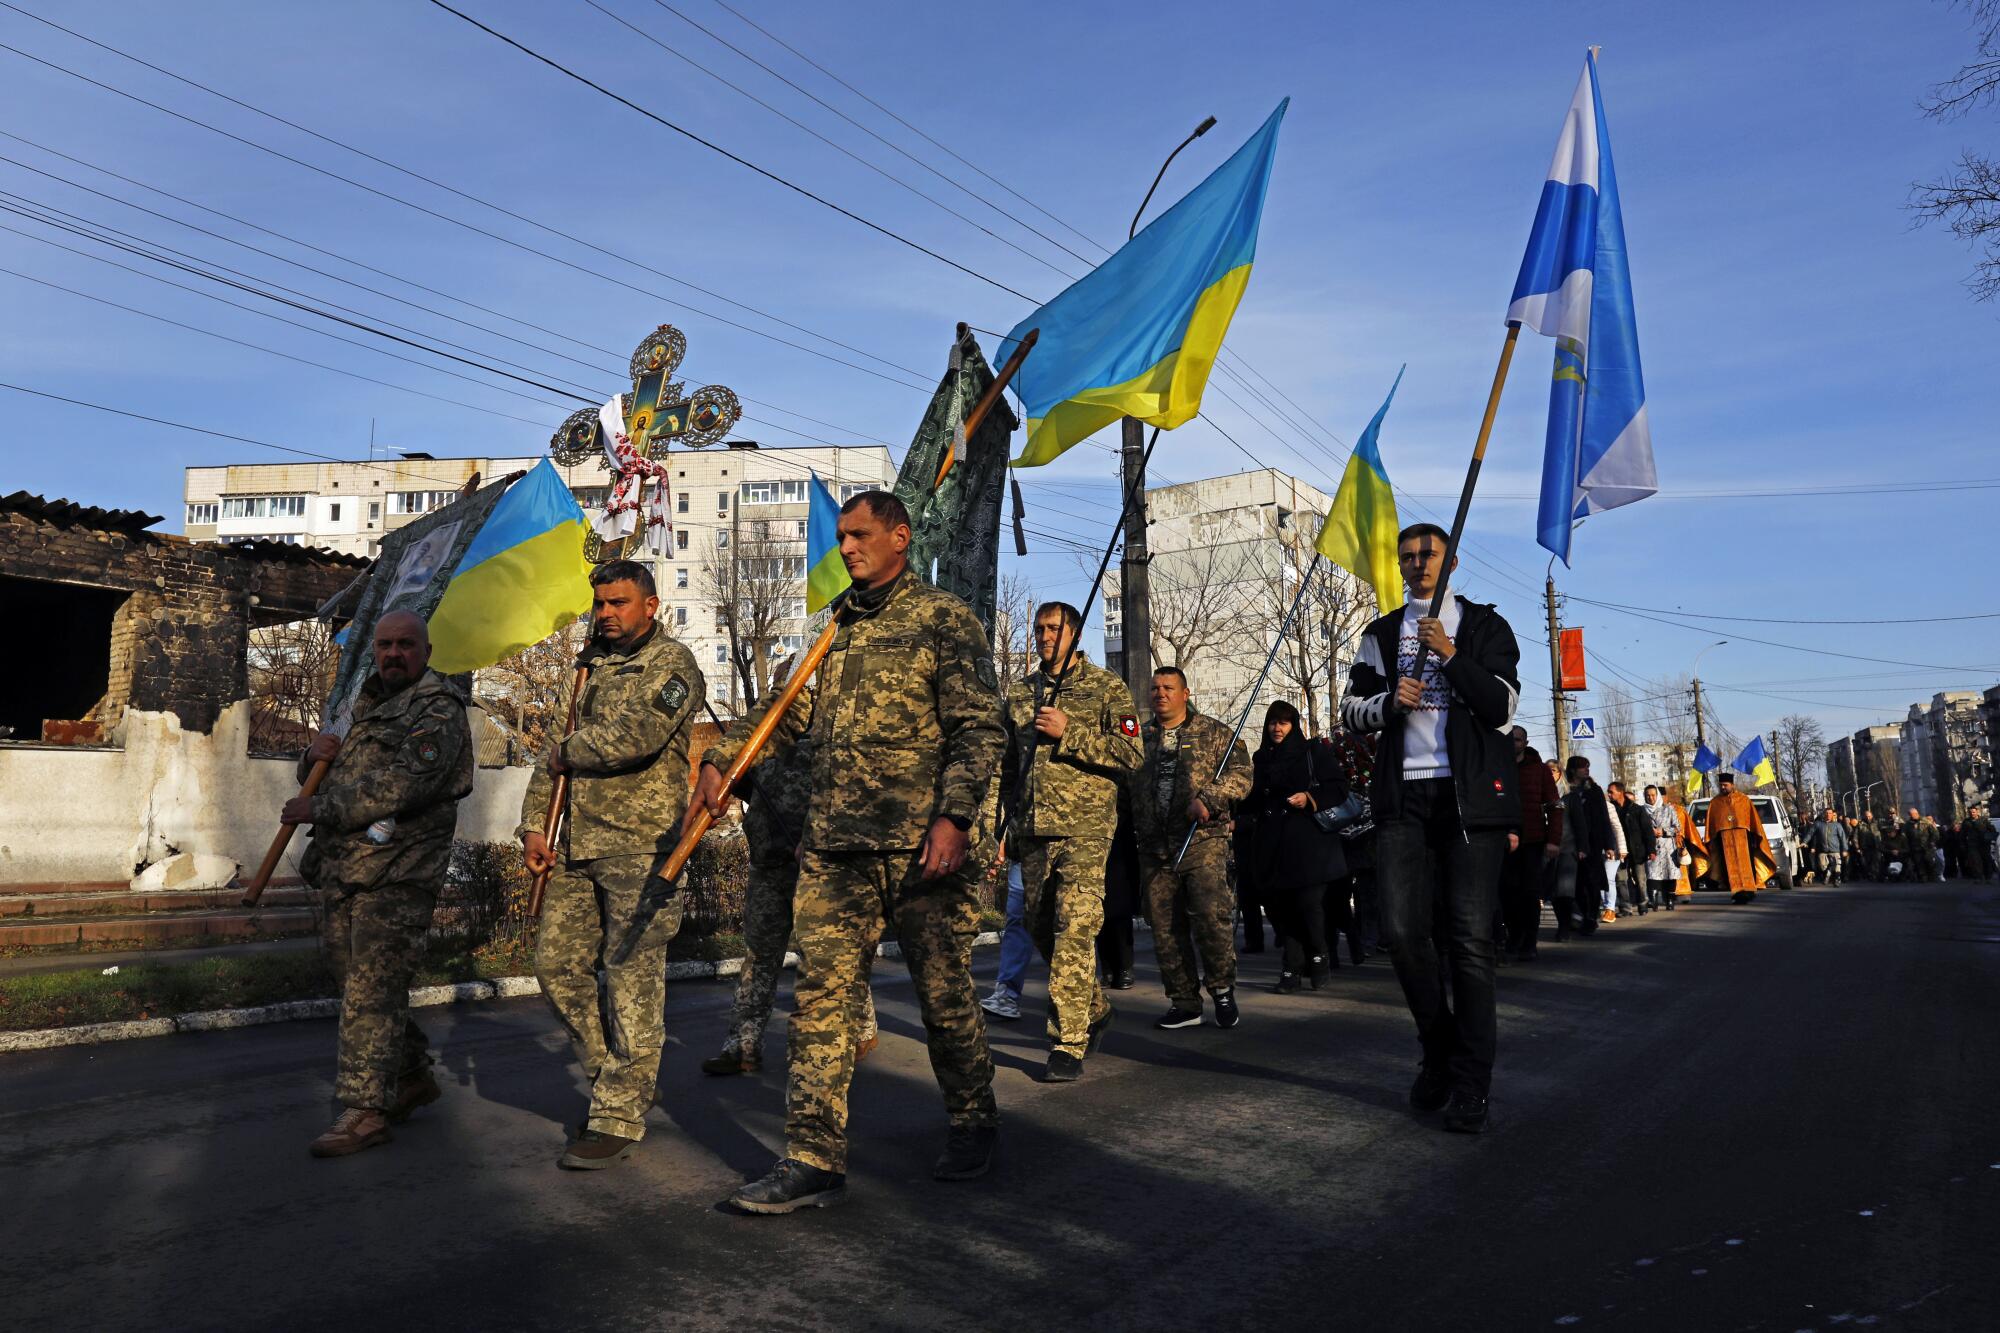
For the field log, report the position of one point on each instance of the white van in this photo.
(1777, 830)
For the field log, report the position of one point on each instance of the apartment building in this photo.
(741, 498)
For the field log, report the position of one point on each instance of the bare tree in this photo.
(1617, 727)
(1801, 746)
(754, 574)
(1332, 611)
(1669, 719)
(1014, 653)
(1967, 199)
(1206, 615)
(291, 669)
(524, 693)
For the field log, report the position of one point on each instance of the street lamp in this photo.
(1134, 592)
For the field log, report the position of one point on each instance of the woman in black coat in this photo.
(1291, 857)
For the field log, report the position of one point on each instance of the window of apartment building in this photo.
(681, 617)
(419, 502)
(374, 511)
(722, 502)
(333, 513)
(263, 506)
(204, 511)
(721, 620)
(722, 539)
(774, 492)
(721, 654)
(681, 503)
(591, 497)
(681, 539)
(681, 577)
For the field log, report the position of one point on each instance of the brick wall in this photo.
(177, 642)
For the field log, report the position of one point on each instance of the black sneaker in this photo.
(968, 1152)
(1225, 1009)
(1465, 1113)
(1431, 1090)
(1289, 982)
(1063, 1068)
(791, 1186)
(1177, 1017)
(1123, 981)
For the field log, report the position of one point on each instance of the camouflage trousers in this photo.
(1064, 878)
(767, 929)
(607, 985)
(844, 900)
(374, 940)
(1192, 912)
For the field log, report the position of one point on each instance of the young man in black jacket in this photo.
(1444, 800)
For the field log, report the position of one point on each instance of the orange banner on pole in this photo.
(1572, 660)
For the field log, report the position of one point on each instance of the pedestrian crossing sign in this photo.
(1583, 728)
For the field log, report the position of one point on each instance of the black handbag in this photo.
(1350, 818)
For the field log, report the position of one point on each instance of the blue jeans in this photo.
(1426, 863)
(1017, 947)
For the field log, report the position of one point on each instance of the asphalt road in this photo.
(1773, 1117)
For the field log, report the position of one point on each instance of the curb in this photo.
(421, 997)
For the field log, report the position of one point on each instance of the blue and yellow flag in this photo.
(1756, 763)
(826, 572)
(1138, 335)
(1360, 530)
(523, 577)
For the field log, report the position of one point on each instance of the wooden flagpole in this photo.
(1471, 481)
(558, 794)
(795, 685)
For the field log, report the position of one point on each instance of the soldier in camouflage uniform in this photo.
(1190, 905)
(382, 824)
(774, 816)
(906, 731)
(606, 907)
(1065, 759)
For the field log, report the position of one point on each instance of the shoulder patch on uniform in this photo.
(982, 667)
(424, 749)
(1128, 724)
(673, 695)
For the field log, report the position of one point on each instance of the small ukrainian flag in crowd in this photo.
(1756, 763)
(1138, 335)
(826, 572)
(1360, 530)
(523, 577)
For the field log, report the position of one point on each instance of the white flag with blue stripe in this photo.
(1575, 286)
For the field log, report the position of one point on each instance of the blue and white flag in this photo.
(1575, 287)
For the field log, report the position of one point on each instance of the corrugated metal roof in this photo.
(68, 511)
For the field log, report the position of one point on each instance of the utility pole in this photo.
(1134, 585)
(1700, 738)
(1556, 676)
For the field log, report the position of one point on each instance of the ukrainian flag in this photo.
(1360, 530)
(1138, 335)
(523, 577)
(1756, 763)
(826, 572)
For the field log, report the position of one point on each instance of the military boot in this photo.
(413, 1091)
(791, 1186)
(968, 1153)
(731, 1061)
(359, 1127)
(1063, 1068)
(593, 1150)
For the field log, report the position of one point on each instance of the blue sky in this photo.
(1795, 330)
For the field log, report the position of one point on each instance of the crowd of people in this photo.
(900, 772)
(1915, 849)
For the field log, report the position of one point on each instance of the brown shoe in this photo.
(731, 1062)
(413, 1091)
(358, 1127)
(593, 1150)
(865, 1047)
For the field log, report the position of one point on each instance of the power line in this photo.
(1794, 647)
(714, 147)
(1774, 620)
(455, 221)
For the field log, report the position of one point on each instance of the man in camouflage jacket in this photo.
(774, 816)
(1190, 904)
(382, 823)
(906, 732)
(606, 906)
(1069, 746)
